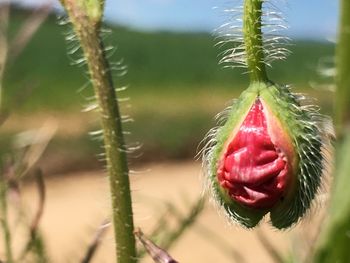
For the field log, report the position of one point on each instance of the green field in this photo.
(158, 63)
(176, 84)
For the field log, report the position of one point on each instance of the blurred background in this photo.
(176, 84)
(175, 87)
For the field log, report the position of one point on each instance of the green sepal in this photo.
(305, 126)
(237, 213)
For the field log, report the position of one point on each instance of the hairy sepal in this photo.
(304, 142)
(212, 153)
(311, 139)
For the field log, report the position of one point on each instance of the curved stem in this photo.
(253, 40)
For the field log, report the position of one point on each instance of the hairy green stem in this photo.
(86, 19)
(342, 97)
(253, 40)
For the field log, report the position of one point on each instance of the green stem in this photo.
(253, 40)
(86, 18)
(342, 97)
(333, 242)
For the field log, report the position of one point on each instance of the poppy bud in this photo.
(267, 157)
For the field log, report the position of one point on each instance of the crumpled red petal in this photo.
(253, 170)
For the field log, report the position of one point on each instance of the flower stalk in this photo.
(253, 39)
(86, 17)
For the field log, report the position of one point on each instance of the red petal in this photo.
(253, 170)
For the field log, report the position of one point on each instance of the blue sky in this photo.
(306, 18)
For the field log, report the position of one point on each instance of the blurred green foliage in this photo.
(176, 85)
(167, 62)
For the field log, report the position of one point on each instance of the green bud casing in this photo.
(295, 140)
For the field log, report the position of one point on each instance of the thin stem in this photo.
(4, 220)
(342, 97)
(86, 18)
(100, 233)
(158, 254)
(169, 237)
(4, 16)
(253, 40)
(184, 224)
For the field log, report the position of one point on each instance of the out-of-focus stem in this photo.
(342, 97)
(253, 40)
(184, 224)
(4, 220)
(86, 16)
(158, 254)
(4, 15)
(333, 242)
(28, 30)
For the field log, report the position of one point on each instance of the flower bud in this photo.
(267, 157)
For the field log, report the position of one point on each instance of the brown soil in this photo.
(68, 124)
(77, 203)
